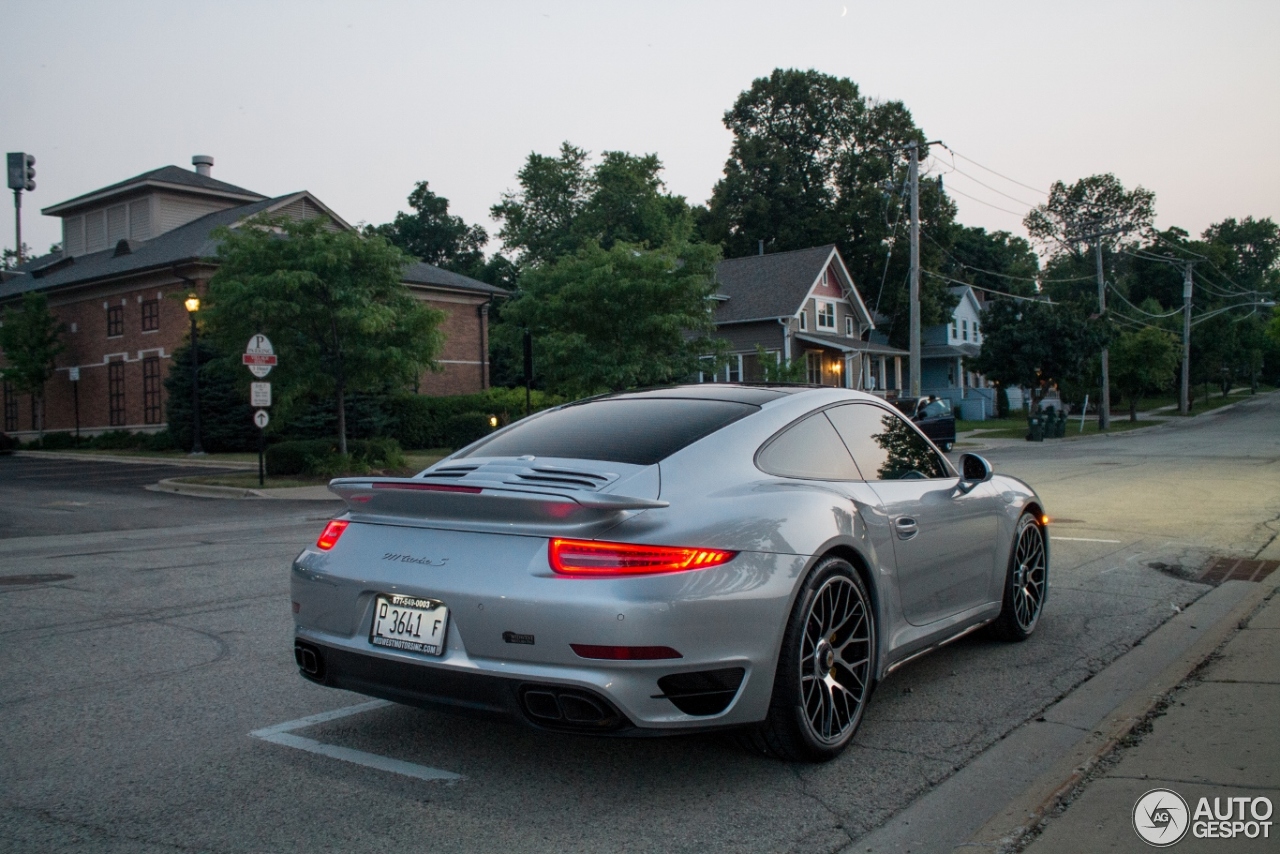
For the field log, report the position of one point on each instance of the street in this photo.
(134, 673)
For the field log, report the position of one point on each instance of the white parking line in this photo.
(1081, 540)
(283, 734)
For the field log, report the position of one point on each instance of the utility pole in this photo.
(914, 179)
(1104, 409)
(1184, 395)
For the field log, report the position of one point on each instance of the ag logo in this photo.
(1160, 817)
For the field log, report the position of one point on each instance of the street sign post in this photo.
(260, 357)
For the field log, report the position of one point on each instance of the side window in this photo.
(884, 445)
(810, 449)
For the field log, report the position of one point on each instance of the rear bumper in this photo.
(546, 705)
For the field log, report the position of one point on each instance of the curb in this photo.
(1026, 812)
(192, 462)
(205, 490)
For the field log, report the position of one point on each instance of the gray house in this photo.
(800, 305)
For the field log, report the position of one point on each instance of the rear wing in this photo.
(482, 506)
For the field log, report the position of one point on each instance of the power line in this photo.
(1116, 291)
(981, 202)
(992, 171)
(959, 171)
(1044, 300)
(1034, 279)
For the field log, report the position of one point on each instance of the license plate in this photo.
(410, 623)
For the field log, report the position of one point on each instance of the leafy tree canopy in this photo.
(1033, 344)
(616, 318)
(994, 260)
(332, 303)
(814, 162)
(1099, 203)
(434, 235)
(31, 339)
(564, 203)
(1142, 361)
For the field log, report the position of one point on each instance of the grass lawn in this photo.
(1016, 428)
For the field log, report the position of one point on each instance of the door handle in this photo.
(906, 527)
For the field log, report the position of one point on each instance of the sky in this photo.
(357, 101)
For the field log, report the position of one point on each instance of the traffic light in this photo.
(22, 171)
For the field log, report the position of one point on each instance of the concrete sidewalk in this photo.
(1213, 737)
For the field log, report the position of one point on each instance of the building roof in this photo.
(191, 242)
(422, 273)
(166, 177)
(949, 351)
(849, 345)
(762, 287)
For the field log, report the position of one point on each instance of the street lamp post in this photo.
(193, 305)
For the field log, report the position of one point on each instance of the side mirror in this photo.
(974, 469)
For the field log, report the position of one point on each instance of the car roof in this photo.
(755, 395)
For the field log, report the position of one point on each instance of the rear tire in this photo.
(1026, 583)
(825, 669)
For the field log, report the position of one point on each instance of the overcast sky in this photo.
(357, 101)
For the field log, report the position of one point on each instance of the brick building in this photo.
(131, 253)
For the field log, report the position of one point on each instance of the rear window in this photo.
(636, 431)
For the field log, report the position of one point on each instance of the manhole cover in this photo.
(1222, 569)
(47, 578)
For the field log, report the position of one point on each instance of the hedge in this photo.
(419, 421)
(321, 457)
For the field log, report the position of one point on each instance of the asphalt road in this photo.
(128, 691)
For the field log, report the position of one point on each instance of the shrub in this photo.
(226, 418)
(321, 457)
(56, 441)
(460, 430)
(419, 421)
(117, 440)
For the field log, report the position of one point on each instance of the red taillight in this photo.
(430, 487)
(588, 557)
(332, 532)
(624, 653)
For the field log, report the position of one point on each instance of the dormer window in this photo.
(804, 320)
(826, 315)
(955, 329)
(964, 330)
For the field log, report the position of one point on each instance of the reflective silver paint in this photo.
(495, 576)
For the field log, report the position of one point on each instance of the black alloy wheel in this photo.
(1026, 583)
(825, 671)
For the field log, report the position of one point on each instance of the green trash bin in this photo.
(1035, 428)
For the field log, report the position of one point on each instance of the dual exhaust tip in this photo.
(309, 658)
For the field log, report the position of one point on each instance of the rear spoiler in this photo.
(480, 505)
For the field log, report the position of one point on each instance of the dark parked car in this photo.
(933, 416)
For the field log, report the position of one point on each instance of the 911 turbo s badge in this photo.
(424, 561)
(515, 637)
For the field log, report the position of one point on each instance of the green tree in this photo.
(31, 339)
(996, 260)
(813, 162)
(1143, 361)
(434, 235)
(610, 319)
(1091, 205)
(564, 203)
(332, 303)
(226, 418)
(1034, 344)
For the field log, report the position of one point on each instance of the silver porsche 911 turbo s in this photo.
(689, 558)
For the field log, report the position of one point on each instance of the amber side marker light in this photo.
(1044, 520)
(332, 532)
(593, 558)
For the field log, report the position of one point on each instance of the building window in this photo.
(150, 315)
(955, 329)
(706, 375)
(10, 409)
(964, 330)
(151, 389)
(115, 321)
(115, 393)
(804, 320)
(977, 339)
(733, 370)
(826, 315)
(848, 327)
(813, 367)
